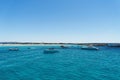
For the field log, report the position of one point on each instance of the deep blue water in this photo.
(68, 64)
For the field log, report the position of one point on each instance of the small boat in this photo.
(113, 45)
(31, 48)
(89, 48)
(64, 47)
(50, 50)
(13, 49)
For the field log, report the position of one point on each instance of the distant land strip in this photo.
(95, 44)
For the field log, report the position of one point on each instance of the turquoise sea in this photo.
(68, 64)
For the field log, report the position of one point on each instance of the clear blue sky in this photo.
(60, 20)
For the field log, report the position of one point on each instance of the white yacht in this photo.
(90, 47)
(13, 49)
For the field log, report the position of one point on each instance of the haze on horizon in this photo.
(60, 21)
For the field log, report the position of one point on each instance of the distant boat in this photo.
(89, 48)
(50, 50)
(13, 49)
(31, 48)
(64, 47)
(114, 45)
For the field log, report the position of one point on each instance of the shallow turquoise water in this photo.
(68, 64)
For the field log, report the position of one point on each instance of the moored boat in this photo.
(113, 45)
(64, 47)
(89, 48)
(31, 48)
(50, 50)
(13, 49)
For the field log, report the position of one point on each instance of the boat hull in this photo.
(50, 51)
(89, 48)
(13, 49)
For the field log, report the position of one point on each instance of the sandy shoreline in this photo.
(52, 44)
(29, 45)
